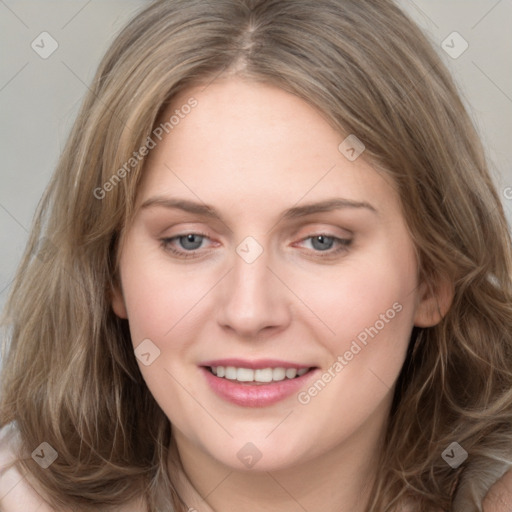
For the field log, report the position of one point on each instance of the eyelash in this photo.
(344, 244)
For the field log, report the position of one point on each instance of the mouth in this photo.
(256, 384)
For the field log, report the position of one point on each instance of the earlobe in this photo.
(435, 299)
(117, 301)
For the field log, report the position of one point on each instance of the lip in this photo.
(255, 395)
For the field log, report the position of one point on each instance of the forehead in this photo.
(256, 143)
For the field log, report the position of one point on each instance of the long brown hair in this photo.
(70, 376)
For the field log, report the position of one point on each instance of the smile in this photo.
(256, 384)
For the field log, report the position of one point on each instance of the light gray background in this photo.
(39, 98)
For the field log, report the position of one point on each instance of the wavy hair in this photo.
(70, 376)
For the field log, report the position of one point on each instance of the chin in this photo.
(258, 456)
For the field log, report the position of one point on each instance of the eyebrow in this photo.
(206, 210)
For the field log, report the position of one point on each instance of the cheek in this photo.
(370, 308)
(371, 305)
(368, 296)
(160, 299)
(162, 307)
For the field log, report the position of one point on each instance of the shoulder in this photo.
(488, 484)
(16, 495)
(499, 498)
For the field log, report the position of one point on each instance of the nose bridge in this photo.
(252, 298)
(249, 278)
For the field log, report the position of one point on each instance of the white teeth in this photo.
(230, 372)
(259, 375)
(263, 375)
(244, 374)
(278, 374)
(291, 373)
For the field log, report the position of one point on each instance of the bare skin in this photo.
(499, 497)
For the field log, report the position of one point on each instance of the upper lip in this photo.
(255, 364)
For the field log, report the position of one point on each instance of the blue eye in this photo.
(188, 245)
(323, 244)
(191, 241)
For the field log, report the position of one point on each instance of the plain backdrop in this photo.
(39, 97)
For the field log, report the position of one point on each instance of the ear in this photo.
(435, 299)
(117, 300)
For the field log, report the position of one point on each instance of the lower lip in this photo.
(255, 395)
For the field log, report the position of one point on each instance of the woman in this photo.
(271, 261)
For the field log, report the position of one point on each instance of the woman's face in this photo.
(260, 250)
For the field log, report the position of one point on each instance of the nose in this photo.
(252, 301)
